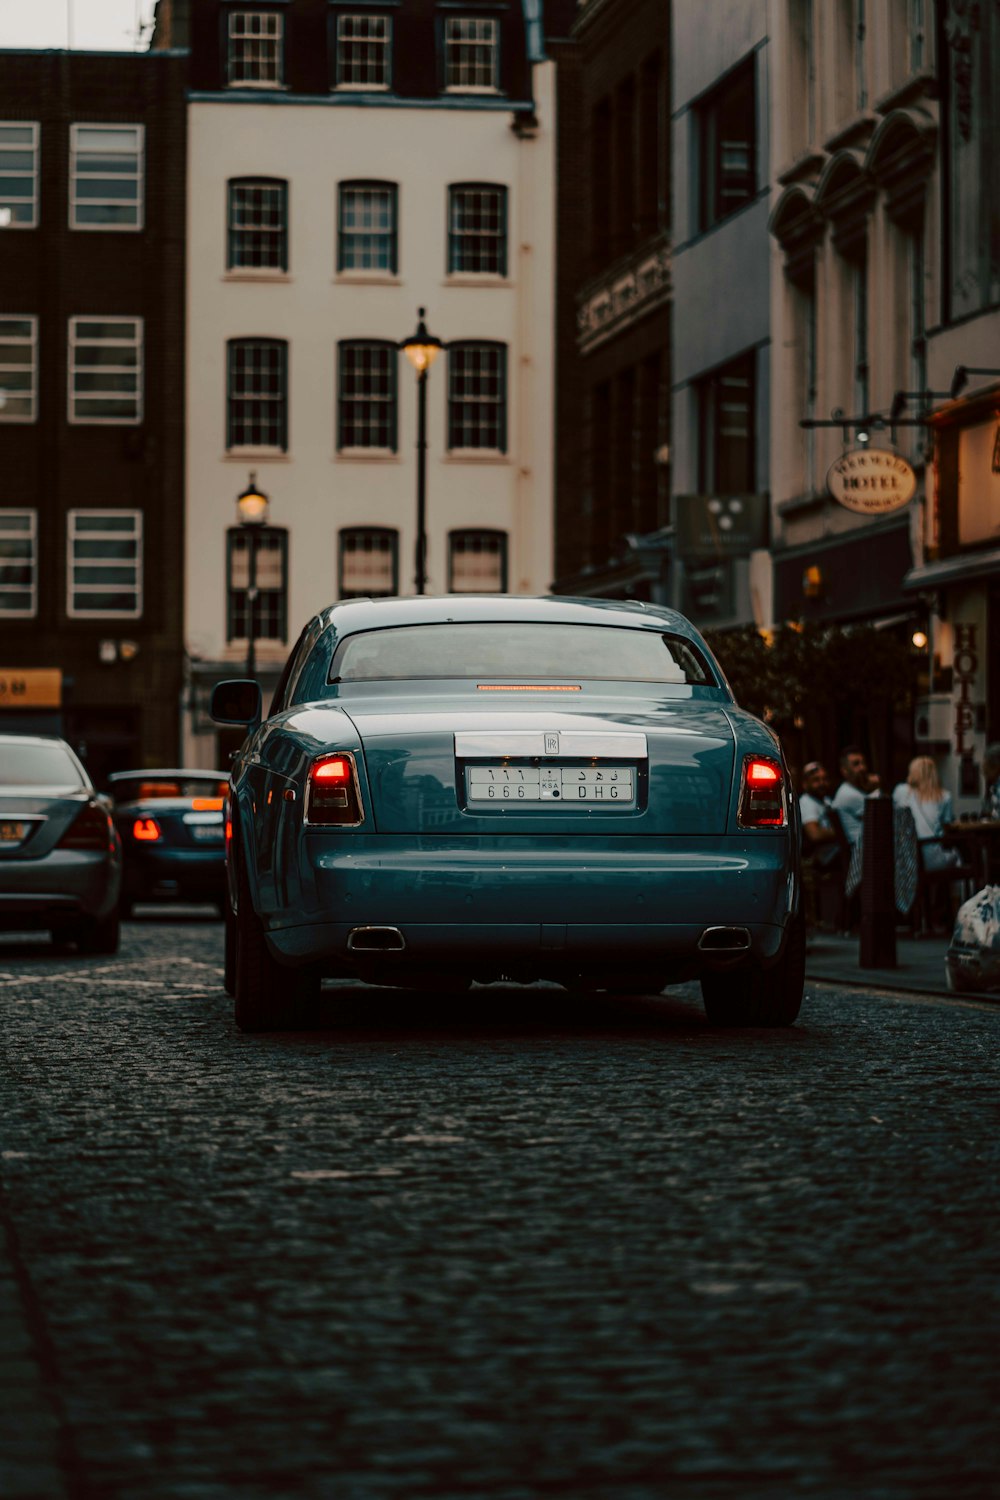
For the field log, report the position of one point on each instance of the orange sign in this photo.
(32, 687)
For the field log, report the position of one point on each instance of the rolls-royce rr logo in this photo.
(552, 744)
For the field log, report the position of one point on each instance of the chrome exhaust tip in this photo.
(724, 940)
(375, 940)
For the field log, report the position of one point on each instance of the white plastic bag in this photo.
(973, 958)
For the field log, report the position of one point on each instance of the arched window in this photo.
(366, 394)
(257, 224)
(477, 396)
(257, 394)
(477, 229)
(366, 227)
(368, 562)
(477, 562)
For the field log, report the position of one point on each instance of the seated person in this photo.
(819, 842)
(930, 805)
(857, 786)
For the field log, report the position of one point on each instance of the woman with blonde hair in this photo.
(930, 805)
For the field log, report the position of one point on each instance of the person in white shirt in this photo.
(819, 839)
(930, 805)
(857, 786)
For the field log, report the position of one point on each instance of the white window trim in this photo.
(472, 88)
(363, 88)
(32, 534)
(279, 38)
(72, 535)
(138, 370)
(33, 341)
(140, 179)
(31, 176)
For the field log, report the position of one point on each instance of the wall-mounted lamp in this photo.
(960, 379)
(919, 639)
(812, 583)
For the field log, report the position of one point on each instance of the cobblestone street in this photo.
(518, 1243)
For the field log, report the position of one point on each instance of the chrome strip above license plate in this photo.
(566, 743)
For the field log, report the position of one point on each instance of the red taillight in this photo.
(93, 828)
(337, 772)
(146, 830)
(762, 795)
(332, 796)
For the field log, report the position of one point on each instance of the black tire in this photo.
(229, 960)
(100, 937)
(758, 996)
(268, 997)
(125, 909)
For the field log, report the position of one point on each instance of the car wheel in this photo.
(229, 960)
(757, 996)
(268, 997)
(100, 937)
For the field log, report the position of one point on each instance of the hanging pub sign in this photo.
(710, 527)
(871, 481)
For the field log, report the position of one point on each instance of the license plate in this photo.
(12, 833)
(487, 785)
(212, 832)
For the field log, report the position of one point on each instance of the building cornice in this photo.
(628, 290)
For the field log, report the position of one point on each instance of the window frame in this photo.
(345, 347)
(459, 346)
(74, 342)
(454, 236)
(451, 44)
(31, 174)
(342, 85)
(13, 341)
(349, 533)
(710, 210)
(9, 535)
(73, 612)
(281, 345)
(233, 230)
(235, 13)
(710, 418)
(75, 176)
(358, 185)
(252, 537)
(481, 533)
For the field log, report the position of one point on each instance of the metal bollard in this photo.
(878, 899)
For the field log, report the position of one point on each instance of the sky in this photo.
(97, 24)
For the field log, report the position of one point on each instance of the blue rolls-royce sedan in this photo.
(472, 788)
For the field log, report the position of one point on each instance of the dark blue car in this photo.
(173, 835)
(472, 788)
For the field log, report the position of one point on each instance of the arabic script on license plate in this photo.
(487, 785)
(11, 833)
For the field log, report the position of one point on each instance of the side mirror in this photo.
(236, 702)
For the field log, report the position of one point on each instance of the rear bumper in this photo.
(63, 885)
(461, 901)
(175, 874)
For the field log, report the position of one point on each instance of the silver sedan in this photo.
(60, 853)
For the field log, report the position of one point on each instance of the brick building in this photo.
(613, 317)
(92, 225)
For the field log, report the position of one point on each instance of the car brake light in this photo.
(762, 796)
(332, 796)
(146, 830)
(93, 828)
(206, 804)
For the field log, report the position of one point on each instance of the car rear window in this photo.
(38, 765)
(150, 788)
(519, 651)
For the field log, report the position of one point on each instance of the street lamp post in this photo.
(421, 349)
(252, 505)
